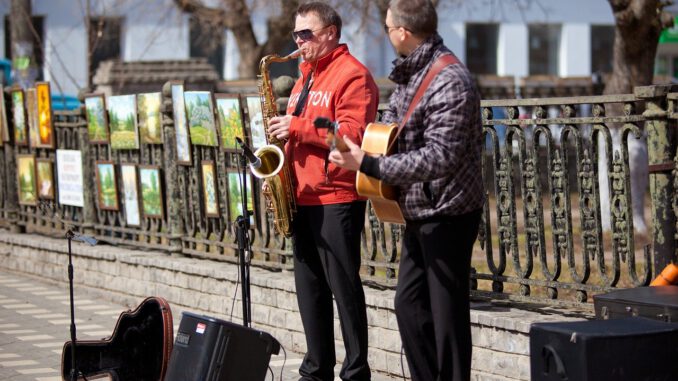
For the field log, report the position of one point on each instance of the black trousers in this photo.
(432, 297)
(326, 247)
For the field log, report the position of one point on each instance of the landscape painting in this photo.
(235, 196)
(107, 186)
(209, 187)
(180, 127)
(230, 120)
(4, 127)
(45, 178)
(32, 116)
(130, 194)
(200, 114)
(122, 118)
(256, 121)
(151, 191)
(46, 131)
(19, 117)
(150, 122)
(28, 194)
(97, 120)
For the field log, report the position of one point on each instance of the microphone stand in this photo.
(45, 208)
(242, 225)
(70, 235)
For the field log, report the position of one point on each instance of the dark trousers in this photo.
(432, 297)
(327, 262)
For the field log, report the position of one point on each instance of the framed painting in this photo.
(19, 117)
(97, 119)
(209, 189)
(31, 105)
(45, 128)
(107, 185)
(229, 113)
(4, 127)
(151, 191)
(180, 126)
(255, 120)
(28, 192)
(130, 191)
(235, 196)
(122, 119)
(200, 114)
(150, 121)
(45, 178)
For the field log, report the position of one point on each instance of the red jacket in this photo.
(342, 90)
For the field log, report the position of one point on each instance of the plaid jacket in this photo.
(438, 167)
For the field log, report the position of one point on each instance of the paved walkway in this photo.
(35, 321)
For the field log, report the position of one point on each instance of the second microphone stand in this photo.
(242, 225)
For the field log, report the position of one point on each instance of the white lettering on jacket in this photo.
(315, 98)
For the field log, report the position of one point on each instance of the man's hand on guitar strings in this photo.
(350, 159)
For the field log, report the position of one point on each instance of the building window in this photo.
(207, 41)
(105, 35)
(544, 49)
(37, 32)
(602, 46)
(481, 48)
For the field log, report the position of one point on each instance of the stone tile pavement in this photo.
(35, 320)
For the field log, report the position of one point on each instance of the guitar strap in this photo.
(438, 65)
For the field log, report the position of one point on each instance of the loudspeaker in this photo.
(629, 349)
(659, 303)
(210, 349)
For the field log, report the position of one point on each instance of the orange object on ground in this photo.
(667, 277)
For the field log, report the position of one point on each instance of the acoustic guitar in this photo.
(377, 140)
(138, 350)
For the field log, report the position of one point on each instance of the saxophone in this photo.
(277, 189)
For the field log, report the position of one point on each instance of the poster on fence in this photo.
(69, 177)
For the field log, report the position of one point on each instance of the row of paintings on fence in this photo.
(35, 178)
(31, 116)
(113, 120)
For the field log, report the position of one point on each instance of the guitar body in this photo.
(384, 198)
(138, 350)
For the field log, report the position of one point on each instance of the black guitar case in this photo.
(138, 350)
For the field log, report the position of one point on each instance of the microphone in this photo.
(255, 162)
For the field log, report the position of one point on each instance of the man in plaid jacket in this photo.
(438, 171)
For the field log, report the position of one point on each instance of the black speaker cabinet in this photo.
(629, 349)
(210, 349)
(660, 303)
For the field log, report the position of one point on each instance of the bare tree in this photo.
(638, 24)
(236, 16)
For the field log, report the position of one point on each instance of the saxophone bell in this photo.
(271, 159)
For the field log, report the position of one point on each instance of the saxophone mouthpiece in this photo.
(294, 54)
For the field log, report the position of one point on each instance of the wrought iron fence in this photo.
(541, 236)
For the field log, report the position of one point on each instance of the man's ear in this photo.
(333, 29)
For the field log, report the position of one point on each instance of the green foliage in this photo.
(151, 193)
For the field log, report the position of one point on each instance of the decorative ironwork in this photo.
(541, 170)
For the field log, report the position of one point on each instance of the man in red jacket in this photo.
(330, 214)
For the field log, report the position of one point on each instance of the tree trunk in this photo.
(638, 24)
(23, 57)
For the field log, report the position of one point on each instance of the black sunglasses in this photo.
(306, 34)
